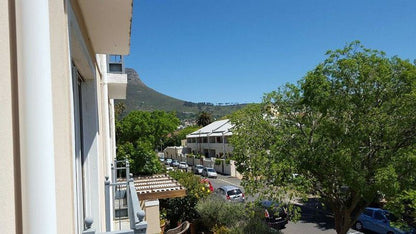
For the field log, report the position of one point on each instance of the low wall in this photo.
(222, 168)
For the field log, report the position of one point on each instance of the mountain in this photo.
(141, 97)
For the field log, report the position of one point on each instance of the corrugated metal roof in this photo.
(216, 128)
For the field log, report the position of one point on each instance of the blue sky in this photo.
(236, 50)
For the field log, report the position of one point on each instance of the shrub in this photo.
(253, 225)
(220, 216)
(181, 209)
(218, 161)
(215, 212)
(227, 161)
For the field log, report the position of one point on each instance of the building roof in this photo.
(217, 128)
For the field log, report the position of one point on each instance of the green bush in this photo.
(181, 209)
(220, 216)
(218, 161)
(143, 160)
(215, 212)
(227, 161)
(253, 225)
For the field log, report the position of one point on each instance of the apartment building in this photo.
(57, 136)
(211, 140)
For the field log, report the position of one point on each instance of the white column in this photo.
(107, 123)
(38, 165)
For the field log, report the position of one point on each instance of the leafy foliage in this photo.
(204, 119)
(347, 130)
(404, 206)
(215, 212)
(139, 133)
(230, 217)
(181, 209)
(176, 137)
(142, 158)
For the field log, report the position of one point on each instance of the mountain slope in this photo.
(141, 97)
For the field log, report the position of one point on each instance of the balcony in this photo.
(125, 193)
(116, 78)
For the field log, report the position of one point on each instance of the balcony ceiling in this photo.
(108, 23)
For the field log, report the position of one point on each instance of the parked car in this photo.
(230, 193)
(198, 169)
(207, 184)
(275, 215)
(378, 220)
(209, 172)
(183, 165)
(168, 161)
(174, 163)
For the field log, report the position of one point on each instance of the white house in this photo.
(211, 140)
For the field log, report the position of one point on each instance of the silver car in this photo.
(198, 169)
(209, 172)
(183, 165)
(230, 193)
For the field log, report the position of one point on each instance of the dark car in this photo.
(275, 215)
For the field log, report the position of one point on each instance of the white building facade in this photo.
(57, 135)
(211, 140)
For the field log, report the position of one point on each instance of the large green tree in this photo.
(204, 118)
(139, 134)
(175, 138)
(346, 131)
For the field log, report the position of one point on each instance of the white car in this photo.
(209, 172)
(183, 165)
(198, 169)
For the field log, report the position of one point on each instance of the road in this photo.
(312, 220)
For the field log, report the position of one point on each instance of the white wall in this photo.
(7, 144)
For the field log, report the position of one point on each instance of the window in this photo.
(379, 215)
(234, 192)
(368, 212)
(219, 140)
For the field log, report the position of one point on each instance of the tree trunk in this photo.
(342, 221)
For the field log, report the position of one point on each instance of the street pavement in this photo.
(313, 220)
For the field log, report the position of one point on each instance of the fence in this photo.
(222, 167)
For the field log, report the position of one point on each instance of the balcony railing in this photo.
(135, 213)
(115, 63)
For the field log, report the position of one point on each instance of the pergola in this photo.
(158, 187)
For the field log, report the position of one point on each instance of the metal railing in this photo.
(134, 212)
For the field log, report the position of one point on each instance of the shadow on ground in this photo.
(312, 211)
